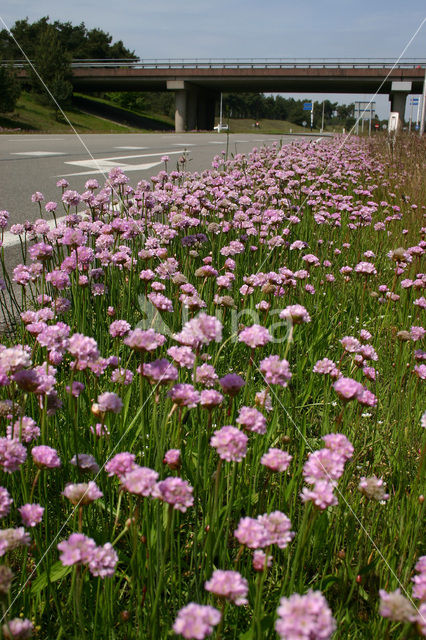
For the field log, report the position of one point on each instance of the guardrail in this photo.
(243, 63)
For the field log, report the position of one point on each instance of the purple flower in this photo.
(206, 375)
(230, 443)
(396, 607)
(18, 629)
(324, 366)
(85, 462)
(108, 401)
(31, 514)
(296, 314)
(45, 456)
(183, 356)
(229, 585)
(160, 371)
(324, 464)
(252, 420)
(12, 539)
(176, 492)
(210, 398)
(251, 533)
(231, 384)
(276, 460)
(5, 502)
(120, 464)
(172, 459)
(261, 561)
(305, 617)
(24, 429)
(140, 340)
(119, 328)
(184, 395)
(340, 444)
(255, 336)
(277, 529)
(12, 454)
(275, 371)
(83, 349)
(82, 493)
(373, 488)
(321, 495)
(103, 561)
(77, 549)
(140, 481)
(348, 389)
(196, 621)
(200, 331)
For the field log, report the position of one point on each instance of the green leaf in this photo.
(248, 635)
(57, 571)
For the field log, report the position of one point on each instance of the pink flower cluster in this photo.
(79, 549)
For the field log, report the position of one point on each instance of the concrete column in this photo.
(180, 110)
(191, 109)
(398, 99)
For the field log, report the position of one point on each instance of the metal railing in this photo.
(242, 63)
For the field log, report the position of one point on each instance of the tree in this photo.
(10, 89)
(53, 67)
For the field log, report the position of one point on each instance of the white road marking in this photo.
(222, 142)
(31, 139)
(186, 144)
(102, 165)
(38, 154)
(106, 167)
(130, 148)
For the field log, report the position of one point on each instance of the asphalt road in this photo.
(30, 163)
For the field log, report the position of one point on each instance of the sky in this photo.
(247, 28)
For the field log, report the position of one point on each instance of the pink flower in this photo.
(45, 456)
(18, 629)
(252, 420)
(82, 493)
(184, 395)
(229, 585)
(277, 528)
(31, 514)
(321, 495)
(5, 502)
(251, 533)
(305, 617)
(196, 621)
(12, 454)
(230, 443)
(373, 488)
(77, 549)
(140, 340)
(176, 492)
(348, 389)
(261, 561)
(140, 481)
(296, 314)
(103, 561)
(255, 336)
(275, 371)
(276, 460)
(231, 383)
(324, 464)
(120, 464)
(396, 607)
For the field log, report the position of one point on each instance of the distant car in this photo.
(221, 127)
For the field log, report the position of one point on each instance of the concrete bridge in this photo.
(197, 83)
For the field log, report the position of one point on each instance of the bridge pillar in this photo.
(194, 107)
(398, 97)
(206, 110)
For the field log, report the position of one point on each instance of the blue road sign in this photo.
(307, 106)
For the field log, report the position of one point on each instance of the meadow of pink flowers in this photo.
(211, 408)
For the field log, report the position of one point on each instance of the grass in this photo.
(32, 116)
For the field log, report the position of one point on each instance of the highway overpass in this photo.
(197, 83)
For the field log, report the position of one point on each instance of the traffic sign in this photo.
(307, 106)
